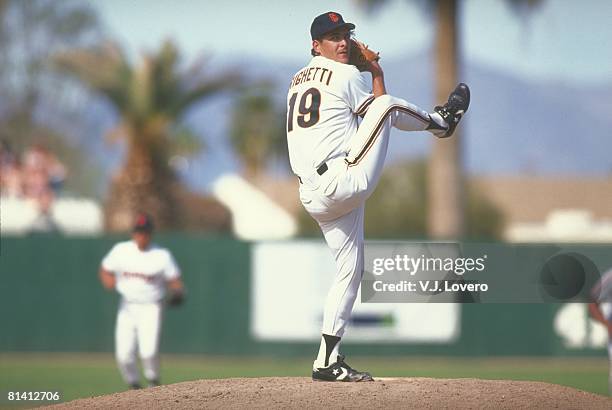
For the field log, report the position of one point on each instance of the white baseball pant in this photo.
(610, 365)
(138, 327)
(336, 199)
(606, 310)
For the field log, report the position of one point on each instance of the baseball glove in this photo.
(175, 297)
(362, 56)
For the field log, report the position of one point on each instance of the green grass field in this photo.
(85, 375)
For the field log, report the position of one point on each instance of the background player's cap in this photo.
(144, 223)
(327, 22)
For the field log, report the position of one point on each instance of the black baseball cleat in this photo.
(457, 104)
(340, 372)
(135, 386)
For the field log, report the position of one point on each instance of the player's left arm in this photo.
(107, 278)
(378, 79)
(174, 284)
(108, 267)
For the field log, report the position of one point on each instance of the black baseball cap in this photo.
(143, 223)
(327, 22)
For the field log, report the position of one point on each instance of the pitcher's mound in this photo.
(301, 392)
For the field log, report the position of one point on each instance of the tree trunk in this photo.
(445, 180)
(145, 184)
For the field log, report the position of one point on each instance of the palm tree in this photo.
(446, 185)
(258, 131)
(151, 98)
(30, 32)
(446, 213)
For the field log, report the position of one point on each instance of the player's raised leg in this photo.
(368, 150)
(384, 112)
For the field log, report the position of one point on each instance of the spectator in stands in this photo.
(39, 176)
(56, 172)
(6, 153)
(43, 176)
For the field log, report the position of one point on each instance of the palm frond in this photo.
(225, 82)
(104, 69)
(142, 91)
(185, 142)
(165, 77)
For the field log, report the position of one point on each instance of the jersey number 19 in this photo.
(308, 114)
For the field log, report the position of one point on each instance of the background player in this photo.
(601, 310)
(339, 162)
(141, 272)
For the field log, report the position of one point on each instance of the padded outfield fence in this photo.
(52, 301)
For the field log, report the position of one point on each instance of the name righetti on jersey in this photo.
(141, 275)
(324, 102)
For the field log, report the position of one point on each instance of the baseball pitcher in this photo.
(145, 276)
(339, 160)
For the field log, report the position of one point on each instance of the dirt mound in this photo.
(301, 392)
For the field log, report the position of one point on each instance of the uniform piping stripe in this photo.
(376, 132)
(364, 106)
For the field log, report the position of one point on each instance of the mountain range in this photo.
(514, 125)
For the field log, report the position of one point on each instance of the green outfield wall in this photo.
(52, 301)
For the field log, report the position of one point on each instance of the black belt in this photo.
(321, 170)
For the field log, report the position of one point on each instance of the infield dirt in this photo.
(388, 393)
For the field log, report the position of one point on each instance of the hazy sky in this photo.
(561, 40)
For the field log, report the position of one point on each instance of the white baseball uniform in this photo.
(141, 282)
(339, 163)
(602, 294)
